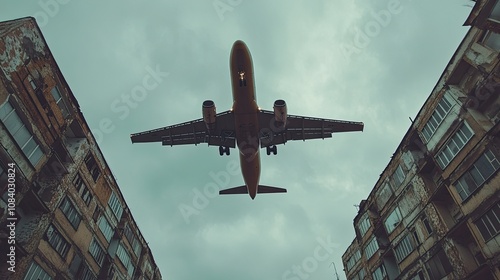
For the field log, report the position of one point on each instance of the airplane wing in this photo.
(193, 132)
(300, 128)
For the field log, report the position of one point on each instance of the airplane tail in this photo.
(244, 190)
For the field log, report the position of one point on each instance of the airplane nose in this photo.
(239, 45)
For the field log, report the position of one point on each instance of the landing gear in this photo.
(224, 150)
(243, 81)
(272, 149)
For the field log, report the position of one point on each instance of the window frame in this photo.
(92, 166)
(60, 101)
(353, 260)
(365, 221)
(30, 138)
(396, 211)
(115, 205)
(428, 131)
(493, 212)
(82, 189)
(397, 175)
(372, 245)
(447, 149)
(404, 248)
(382, 274)
(37, 272)
(57, 241)
(108, 231)
(464, 186)
(97, 251)
(71, 212)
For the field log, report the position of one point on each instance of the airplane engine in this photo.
(280, 112)
(209, 114)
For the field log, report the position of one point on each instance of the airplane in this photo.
(246, 126)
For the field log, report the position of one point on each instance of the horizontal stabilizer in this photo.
(244, 190)
(237, 190)
(267, 189)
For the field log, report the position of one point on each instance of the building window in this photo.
(96, 251)
(379, 273)
(492, 40)
(442, 109)
(361, 274)
(69, 210)
(371, 248)
(133, 241)
(82, 189)
(115, 205)
(404, 248)
(86, 273)
(398, 177)
(479, 173)
(92, 166)
(416, 236)
(105, 228)
(495, 13)
(57, 241)
(36, 272)
(489, 223)
(383, 195)
(32, 82)
(393, 220)
(427, 225)
(439, 265)
(60, 101)
(124, 257)
(20, 133)
(353, 260)
(418, 276)
(454, 145)
(80, 269)
(364, 226)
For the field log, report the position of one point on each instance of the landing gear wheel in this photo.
(272, 149)
(224, 150)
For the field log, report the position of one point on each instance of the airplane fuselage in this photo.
(245, 112)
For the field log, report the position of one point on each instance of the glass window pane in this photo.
(56, 94)
(36, 156)
(484, 167)
(495, 13)
(492, 40)
(13, 123)
(476, 176)
(22, 137)
(440, 114)
(5, 110)
(29, 147)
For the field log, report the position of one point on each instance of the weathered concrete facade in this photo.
(62, 213)
(434, 213)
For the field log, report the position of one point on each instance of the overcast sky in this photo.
(354, 60)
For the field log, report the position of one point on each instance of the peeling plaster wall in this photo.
(15, 41)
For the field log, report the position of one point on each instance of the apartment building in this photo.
(62, 213)
(434, 213)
